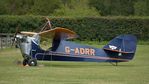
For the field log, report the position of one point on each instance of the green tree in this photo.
(18, 7)
(2, 7)
(122, 7)
(114, 7)
(142, 8)
(33, 7)
(76, 8)
(44, 7)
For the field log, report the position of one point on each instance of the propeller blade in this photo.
(14, 37)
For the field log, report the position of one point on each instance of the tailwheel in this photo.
(25, 62)
(32, 62)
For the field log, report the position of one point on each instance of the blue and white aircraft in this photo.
(121, 49)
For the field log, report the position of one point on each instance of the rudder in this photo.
(124, 46)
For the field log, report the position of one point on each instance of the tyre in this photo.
(32, 62)
(25, 62)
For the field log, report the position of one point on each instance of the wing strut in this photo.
(47, 26)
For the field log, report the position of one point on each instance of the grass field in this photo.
(133, 72)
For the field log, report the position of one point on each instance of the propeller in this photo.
(15, 34)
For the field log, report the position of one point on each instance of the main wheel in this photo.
(25, 62)
(32, 62)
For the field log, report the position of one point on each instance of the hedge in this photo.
(88, 28)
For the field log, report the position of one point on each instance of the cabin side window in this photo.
(46, 42)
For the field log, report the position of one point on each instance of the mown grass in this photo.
(133, 72)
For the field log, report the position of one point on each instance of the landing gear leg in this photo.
(25, 62)
(116, 63)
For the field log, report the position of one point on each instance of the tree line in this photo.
(87, 28)
(75, 7)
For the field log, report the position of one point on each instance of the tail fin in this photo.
(124, 46)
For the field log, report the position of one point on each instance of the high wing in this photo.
(28, 33)
(56, 32)
(59, 32)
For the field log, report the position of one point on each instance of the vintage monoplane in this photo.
(120, 49)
